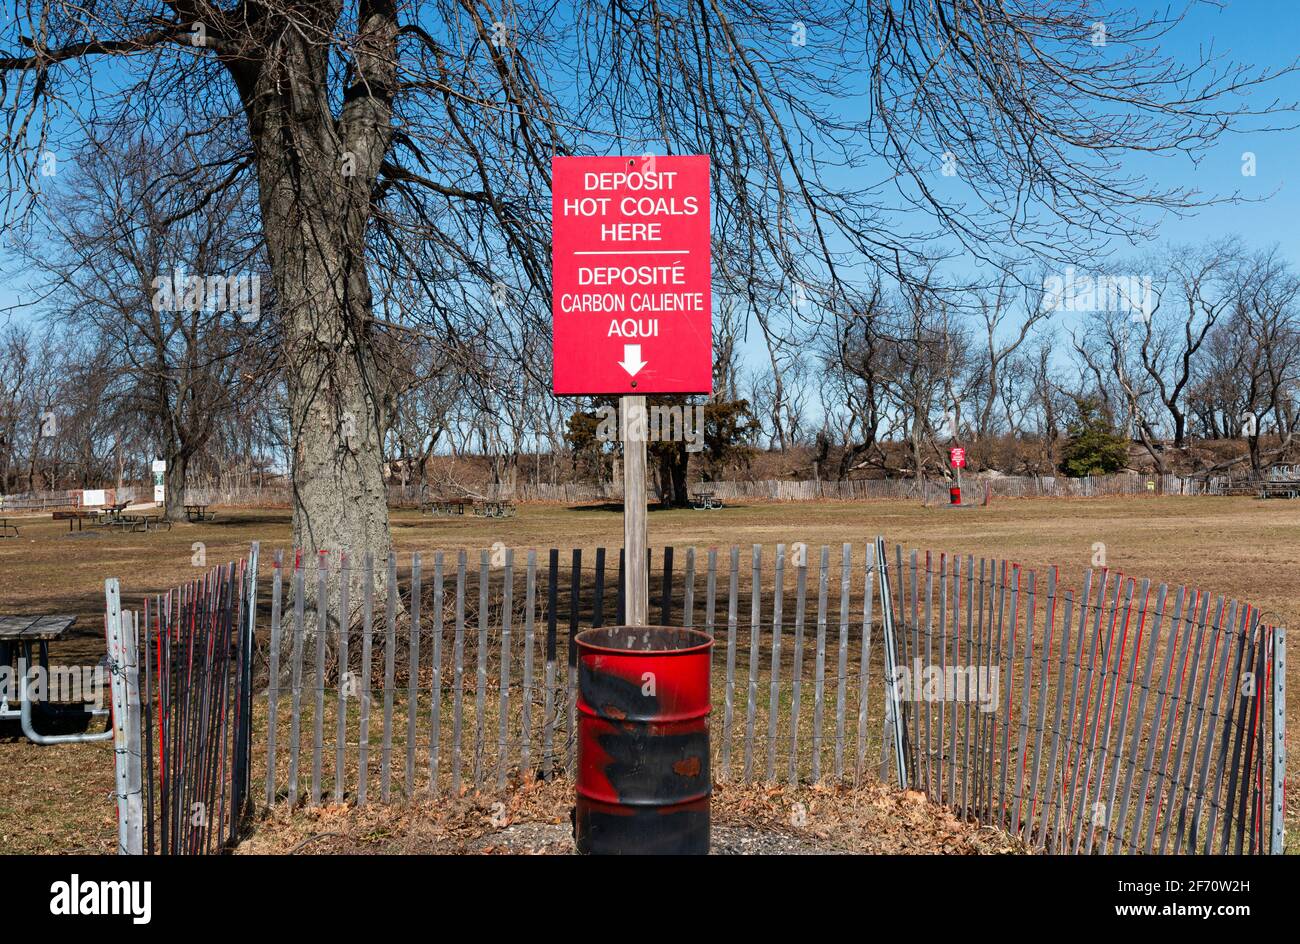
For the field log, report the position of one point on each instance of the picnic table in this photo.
(22, 634)
(142, 524)
(6, 527)
(76, 517)
(705, 499)
(114, 511)
(198, 512)
(447, 506)
(494, 509)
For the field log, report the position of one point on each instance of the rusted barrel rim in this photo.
(683, 641)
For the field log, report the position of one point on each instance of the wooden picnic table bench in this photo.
(115, 510)
(495, 508)
(141, 524)
(198, 512)
(705, 499)
(76, 517)
(6, 528)
(23, 633)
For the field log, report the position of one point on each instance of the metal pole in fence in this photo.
(891, 663)
(1277, 833)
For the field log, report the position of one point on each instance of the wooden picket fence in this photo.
(182, 711)
(1119, 717)
(467, 679)
(1125, 718)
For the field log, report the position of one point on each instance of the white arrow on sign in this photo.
(631, 361)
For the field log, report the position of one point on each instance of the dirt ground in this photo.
(535, 821)
(58, 798)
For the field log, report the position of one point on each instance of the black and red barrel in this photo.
(643, 741)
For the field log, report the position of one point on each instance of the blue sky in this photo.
(1256, 32)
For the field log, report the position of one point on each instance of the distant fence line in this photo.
(926, 489)
(1115, 717)
(243, 493)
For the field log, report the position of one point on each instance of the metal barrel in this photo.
(643, 741)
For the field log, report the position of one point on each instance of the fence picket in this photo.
(530, 610)
(864, 664)
(341, 709)
(1040, 719)
(571, 683)
(273, 686)
(729, 694)
(507, 608)
(688, 590)
(842, 663)
(755, 636)
(1022, 740)
(318, 718)
(435, 686)
(774, 687)
(458, 675)
(1051, 798)
(480, 664)
(413, 675)
(548, 689)
(390, 668)
(796, 660)
(819, 668)
(367, 631)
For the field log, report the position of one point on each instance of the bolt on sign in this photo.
(632, 305)
(957, 456)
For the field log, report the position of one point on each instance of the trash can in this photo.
(643, 741)
(954, 495)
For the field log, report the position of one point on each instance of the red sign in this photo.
(957, 456)
(632, 304)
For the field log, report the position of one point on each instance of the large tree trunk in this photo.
(174, 486)
(316, 175)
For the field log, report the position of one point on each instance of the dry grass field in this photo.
(57, 799)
